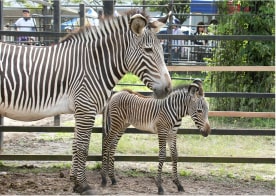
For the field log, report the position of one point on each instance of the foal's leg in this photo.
(112, 151)
(105, 159)
(174, 157)
(162, 158)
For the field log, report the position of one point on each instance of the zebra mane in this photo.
(186, 88)
(180, 88)
(136, 93)
(88, 28)
(75, 32)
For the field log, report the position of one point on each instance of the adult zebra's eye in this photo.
(148, 50)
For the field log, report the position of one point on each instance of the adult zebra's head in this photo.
(198, 108)
(144, 55)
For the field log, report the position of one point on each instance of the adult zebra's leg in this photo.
(174, 157)
(162, 157)
(83, 129)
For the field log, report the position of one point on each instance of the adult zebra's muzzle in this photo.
(163, 88)
(162, 93)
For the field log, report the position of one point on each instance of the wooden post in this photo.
(1, 133)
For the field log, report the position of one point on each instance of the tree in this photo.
(258, 21)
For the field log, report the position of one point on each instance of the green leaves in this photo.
(259, 21)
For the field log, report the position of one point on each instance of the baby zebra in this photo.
(160, 116)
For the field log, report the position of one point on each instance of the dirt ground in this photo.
(25, 178)
(17, 183)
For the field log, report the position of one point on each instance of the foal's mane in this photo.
(136, 93)
(180, 87)
(94, 28)
(186, 87)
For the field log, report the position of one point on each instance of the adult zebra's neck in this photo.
(105, 48)
(101, 53)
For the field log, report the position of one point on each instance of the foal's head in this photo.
(198, 108)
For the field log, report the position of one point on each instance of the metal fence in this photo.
(190, 55)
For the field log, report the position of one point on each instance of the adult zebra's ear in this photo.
(137, 24)
(193, 90)
(158, 24)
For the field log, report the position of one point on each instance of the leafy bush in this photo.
(259, 21)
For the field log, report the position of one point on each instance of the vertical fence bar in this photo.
(169, 31)
(57, 18)
(46, 20)
(82, 15)
(57, 120)
(1, 18)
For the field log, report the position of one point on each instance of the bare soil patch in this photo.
(53, 183)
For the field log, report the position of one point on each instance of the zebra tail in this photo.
(106, 120)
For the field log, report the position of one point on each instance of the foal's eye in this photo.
(148, 50)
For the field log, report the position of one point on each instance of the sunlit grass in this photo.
(196, 145)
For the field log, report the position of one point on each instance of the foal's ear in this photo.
(137, 24)
(193, 90)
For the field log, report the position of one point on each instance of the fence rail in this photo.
(141, 158)
(222, 68)
(59, 129)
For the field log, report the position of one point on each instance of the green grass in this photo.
(196, 145)
(213, 145)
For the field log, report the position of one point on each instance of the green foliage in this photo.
(259, 21)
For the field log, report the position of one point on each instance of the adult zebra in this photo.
(78, 74)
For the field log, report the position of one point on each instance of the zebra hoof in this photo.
(160, 191)
(113, 181)
(104, 182)
(89, 192)
(83, 189)
(180, 188)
